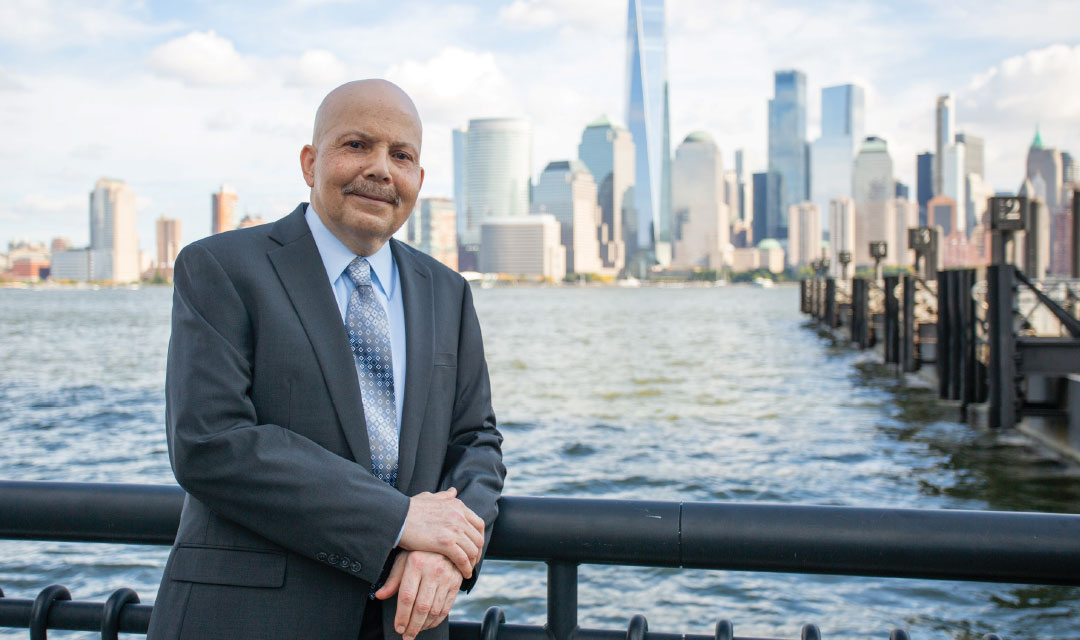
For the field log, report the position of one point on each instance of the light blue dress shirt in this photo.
(385, 283)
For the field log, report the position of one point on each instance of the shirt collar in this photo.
(336, 256)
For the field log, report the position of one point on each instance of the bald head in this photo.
(363, 94)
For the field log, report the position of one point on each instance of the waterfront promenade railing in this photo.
(1011, 547)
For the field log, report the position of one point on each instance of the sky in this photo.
(176, 98)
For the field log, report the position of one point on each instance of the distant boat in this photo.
(629, 282)
(763, 283)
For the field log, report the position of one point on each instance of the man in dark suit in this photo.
(328, 407)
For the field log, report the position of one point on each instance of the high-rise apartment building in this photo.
(460, 142)
(974, 153)
(566, 190)
(767, 196)
(114, 240)
(744, 176)
(607, 149)
(953, 182)
(924, 169)
(498, 172)
(168, 244)
(437, 229)
(222, 208)
(875, 211)
(702, 229)
(945, 135)
(648, 121)
(788, 150)
(804, 233)
(832, 156)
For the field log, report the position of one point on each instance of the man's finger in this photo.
(445, 493)
(421, 608)
(393, 580)
(438, 608)
(410, 584)
(461, 560)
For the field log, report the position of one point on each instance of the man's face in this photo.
(364, 164)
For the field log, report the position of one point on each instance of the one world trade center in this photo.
(647, 119)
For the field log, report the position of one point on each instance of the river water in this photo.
(655, 393)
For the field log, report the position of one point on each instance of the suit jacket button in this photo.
(333, 559)
(345, 562)
(356, 566)
(321, 556)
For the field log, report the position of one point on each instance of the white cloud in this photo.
(593, 16)
(38, 204)
(49, 24)
(10, 82)
(456, 84)
(316, 68)
(202, 59)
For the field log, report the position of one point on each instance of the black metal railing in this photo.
(1033, 548)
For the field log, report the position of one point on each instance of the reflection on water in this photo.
(665, 394)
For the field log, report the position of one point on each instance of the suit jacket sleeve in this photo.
(264, 477)
(474, 456)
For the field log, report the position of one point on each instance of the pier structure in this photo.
(564, 533)
(1001, 341)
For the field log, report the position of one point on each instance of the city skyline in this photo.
(224, 104)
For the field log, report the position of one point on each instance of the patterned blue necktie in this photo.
(369, 336)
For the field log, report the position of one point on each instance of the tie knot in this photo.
(359, 271)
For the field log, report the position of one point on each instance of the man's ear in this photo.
(307, 164)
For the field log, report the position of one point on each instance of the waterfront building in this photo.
(730, 192)
(941, 213)
(1070, 168)
(924, 186)
(978, 193)
(974, 153)
(113, 234)
(1045, 170)
(168, 245)
(702, 228)
(954, 184)
(607, 149)
(60, 243)
(498, 173)
(833, 154)
(875, 211)
(250, 221)
(907, 217)
(567, 191)
(804, 233)
(767, 195)
(460, 140)
(72, 265)
(841, 232)
(222, 207)
(744, 176)
(437, 230)
(945, 121)
(768, 254)
(648, 120)
(788, 150)
(523, 246)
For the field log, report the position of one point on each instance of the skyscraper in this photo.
(875, 211)
(787, 142)
(1046, 170)
(436, 227)
(924, 168)
(168, 244)
(607, 149)
(974, 155)
(114, 242)
(648, 121)
(953, 183)
(566, 190)
(701, 228)
(222, 204)
(459, 137)
(498, 171)
(945, 135)
(768, 194)
(804, 233)
(841, 231)
(833, 154)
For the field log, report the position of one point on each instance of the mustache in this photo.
(373, 190)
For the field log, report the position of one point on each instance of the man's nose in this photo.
(378, 167)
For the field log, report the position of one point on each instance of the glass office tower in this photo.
(787, 142)
(647, 119)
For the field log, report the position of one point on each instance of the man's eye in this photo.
(402, 156)
(355, 144)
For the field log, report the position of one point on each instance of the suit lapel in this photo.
(303, 276)
(419, 303)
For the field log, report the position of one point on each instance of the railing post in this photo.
(944, 279)
(830, 303)
(907, 338)
(1002, 368)
(892, 321)
(968, 380)
(562, 600)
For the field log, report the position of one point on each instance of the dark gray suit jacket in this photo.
(284, 528)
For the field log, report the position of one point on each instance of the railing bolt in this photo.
(724, 630)
(489, 626)
(810, 632)
(110, 617)
(899, 634)
(637, 628)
